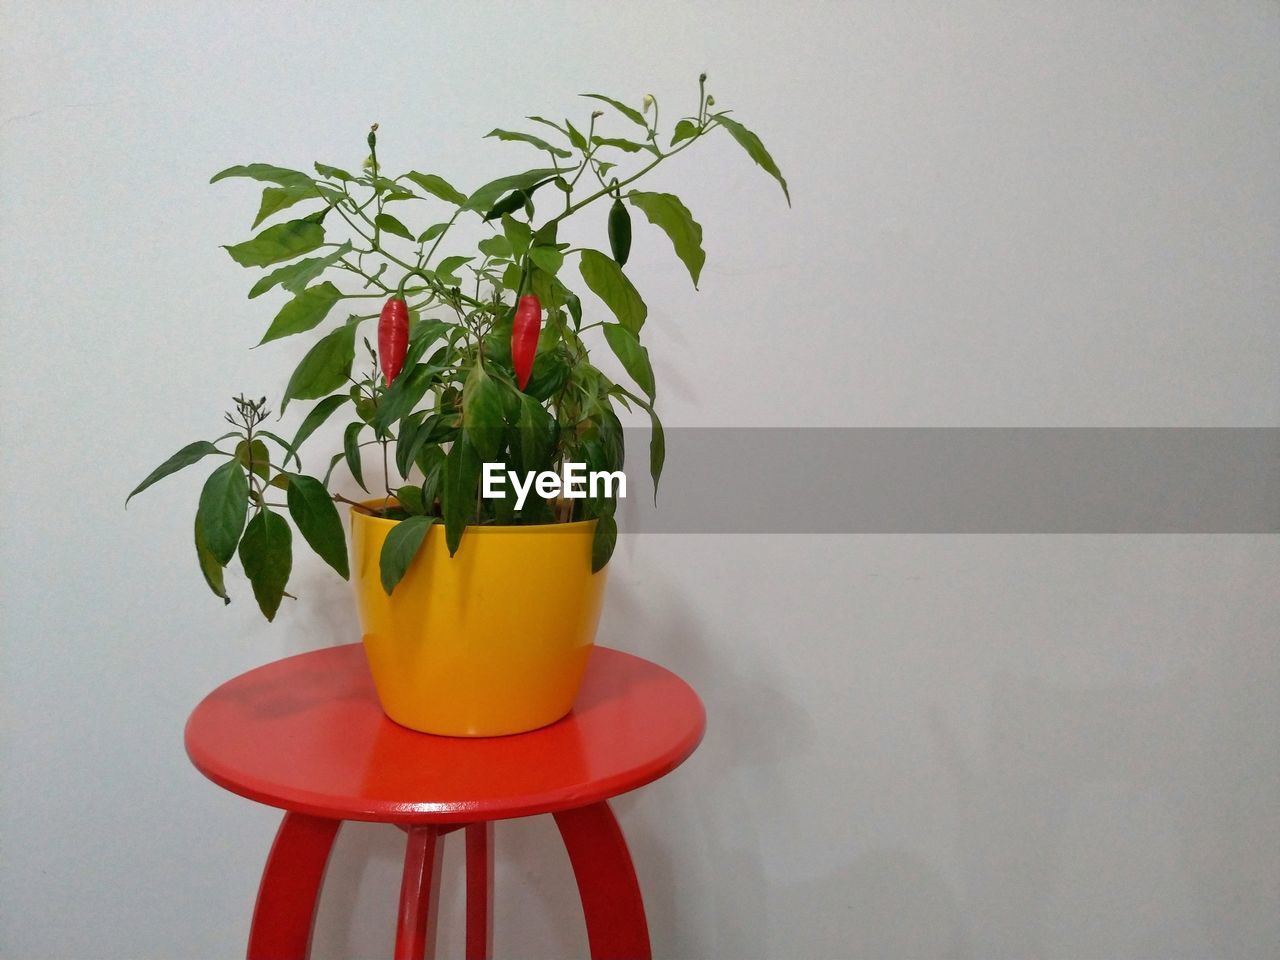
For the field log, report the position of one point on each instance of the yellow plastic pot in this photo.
(491, 641)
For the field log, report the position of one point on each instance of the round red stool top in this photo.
(307, 734)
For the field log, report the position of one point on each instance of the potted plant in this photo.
(478, 612)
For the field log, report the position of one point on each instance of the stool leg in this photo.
(290, 888)
(616, 927)
(414, 926)
(479, 891)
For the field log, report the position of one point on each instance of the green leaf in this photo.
(210, 567)
(410, 497)
(518, 233)
(317, 519)
(417, 434)
(657, 449)
(576, 138)
(333, 462)
(685, 130)
(365, 407)
(404, 394)
(432, 232)
(188, 455)
(431, 462)
(312, 421)
(547, 259)
(284, 241)
(224, 504)
(482, 413)
(283, 444)
(351, 451)
(255, 454)
(550, 373)
(632, 114)
(511, 277)
(657, 440)
(549, 123)
(389, 224)
(607, 281)
(629, 146)
(265, 171)
(266, 553)
(438, 187)
(304, 312)
(398, 550)
(666, 211)
(422, 334)
(755, 149)
(458, 496)
(447, 266)
(333, 173)
(610, 433)
(407, 441)
(325, 368)
(275, 199)
(550, 291)
(495, 246)
(486, 196)
(603, 541)
(545, 235)
(537, 430)
(294, 277)
(530, 139)
(635, 358)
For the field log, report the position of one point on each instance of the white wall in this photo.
(928, 746)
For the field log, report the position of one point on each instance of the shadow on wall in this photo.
(725, 802)
(364, 870)
(323, 616)
(1134, 820)
(1130, 819)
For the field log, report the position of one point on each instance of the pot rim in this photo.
(473, 528)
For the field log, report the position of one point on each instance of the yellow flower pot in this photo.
(491, 641)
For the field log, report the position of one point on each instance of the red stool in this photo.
(306, 734)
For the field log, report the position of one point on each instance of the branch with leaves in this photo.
(455, 404)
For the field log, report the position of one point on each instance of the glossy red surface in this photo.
(419, 890)
(607, 884)
(479, 891)
(290, 888)
(306, 734)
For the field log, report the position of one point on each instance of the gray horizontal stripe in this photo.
(958, 480)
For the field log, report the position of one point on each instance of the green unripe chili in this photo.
(619, 232)
(512, 202)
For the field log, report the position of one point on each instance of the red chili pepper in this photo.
(393, 337)
(524, 337)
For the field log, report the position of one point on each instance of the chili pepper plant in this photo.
(483, 354)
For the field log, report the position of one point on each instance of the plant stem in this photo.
(354, 503)
(373, 155)
(631, 179)
(431, 253)
(363, 236)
